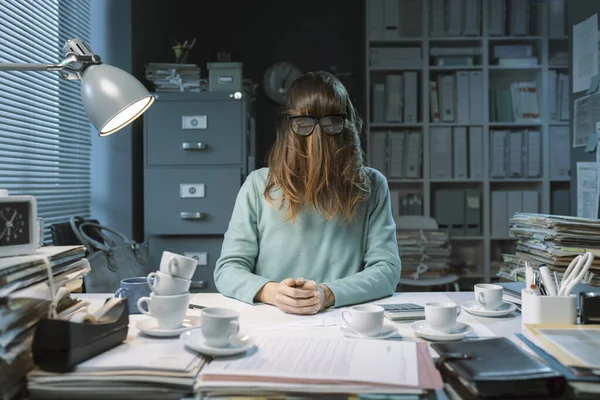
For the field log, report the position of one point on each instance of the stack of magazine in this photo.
(553, 240)
(25, 299)
(424, 253)
(174, 77)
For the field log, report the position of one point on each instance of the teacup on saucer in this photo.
(422, 329)
(196, 341)
(150, 327)
(387, 331)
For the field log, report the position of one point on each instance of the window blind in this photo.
(45, 146)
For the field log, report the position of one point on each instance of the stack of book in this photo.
(424, 253)
(552, 240)
(174, 77)
(516, 103)
(25, 299)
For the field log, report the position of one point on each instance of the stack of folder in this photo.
(552, 240)
(174, 77)
(24, 300)
(424, 253)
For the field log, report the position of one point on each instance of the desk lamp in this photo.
(112, 98)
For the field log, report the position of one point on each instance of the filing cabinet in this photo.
(197, 151)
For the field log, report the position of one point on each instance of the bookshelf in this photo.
(479, 253)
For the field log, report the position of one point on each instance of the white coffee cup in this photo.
(166, 285)
(366, 320)
(441, 316)
(488, 296)
(169, 311)
(178, 265)
(219, 326)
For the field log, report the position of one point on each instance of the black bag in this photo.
(110, 262)
(63, 234)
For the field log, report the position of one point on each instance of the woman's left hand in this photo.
(321, 292)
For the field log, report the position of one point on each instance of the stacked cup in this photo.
(170, 286)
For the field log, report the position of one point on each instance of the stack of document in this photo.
(140, 368)
(424, 253)
(174, 77)
(552, 240)
(25, 299)
(300, 364)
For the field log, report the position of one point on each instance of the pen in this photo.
(547, 280)
(534, 290)
(556, 282)
(196, 306)
(528, 275)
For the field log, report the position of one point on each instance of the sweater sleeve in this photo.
(381, 261)
(234, 269)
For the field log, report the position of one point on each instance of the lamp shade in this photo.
(112, 97)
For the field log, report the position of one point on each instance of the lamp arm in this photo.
(64, 64)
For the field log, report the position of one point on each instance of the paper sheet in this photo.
(585, 52)
(580, 344)
(587, 190)
(326, 359)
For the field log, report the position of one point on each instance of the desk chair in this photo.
(419, 222)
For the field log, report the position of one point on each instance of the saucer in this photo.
(387, 331)
(149, 326)
(472, 307)
(422, 329)
(195, 341)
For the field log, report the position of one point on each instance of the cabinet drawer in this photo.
(189, 201)
(205, 249)
(194, 133)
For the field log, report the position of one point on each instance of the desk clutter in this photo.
(424, 253)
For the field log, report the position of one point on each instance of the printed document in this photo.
(585, 53)
(587, 190)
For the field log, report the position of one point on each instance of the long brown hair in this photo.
(325, 172)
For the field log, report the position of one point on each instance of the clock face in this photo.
(14, 223)
(278, 78)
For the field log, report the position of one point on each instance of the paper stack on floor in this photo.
(25, 298)
(140, 368)
(553, 240)
(300, 364)
(424, 253)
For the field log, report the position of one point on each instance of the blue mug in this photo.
(133, 289)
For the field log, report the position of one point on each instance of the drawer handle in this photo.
(199, 285)
(194, 146)
(192, 215)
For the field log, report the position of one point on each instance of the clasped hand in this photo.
(298, 296)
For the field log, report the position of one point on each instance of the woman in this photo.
(317, 213)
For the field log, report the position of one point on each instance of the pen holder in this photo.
(548, 309)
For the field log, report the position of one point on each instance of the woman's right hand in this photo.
(289, 298)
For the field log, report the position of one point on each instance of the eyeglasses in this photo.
(304, 125)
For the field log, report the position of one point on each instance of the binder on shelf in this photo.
(393, 97)
(560, 152)
(515, 154)
(446, 87)
(534, 154)
(475, 97)
(564, 96)
(531, 202)
(391, 19)
(499, 213)
(498, 149)
(514, 202)
(460, 152)
(434, 102)
(552, 95)
(556, 18)
(378, 106)
(397, 154)
(376, 22)
(411, 98)
(413, 155)
(451, 218)
(472, 11)
(561, 202)
(496, 17)
(378, 152)
(395, 200)
(440, 150)
(454, 17)
(473, 212)
(437, 18)
(462, 96)
(411, 24)
(476, 152)
(519, 14)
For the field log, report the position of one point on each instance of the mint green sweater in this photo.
(358, 261)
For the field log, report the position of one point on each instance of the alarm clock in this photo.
(18, 225)
(278, 78)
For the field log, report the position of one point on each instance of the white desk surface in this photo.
(259, 319)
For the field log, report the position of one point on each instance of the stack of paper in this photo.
(141, 368)
(25, 298)
(553, 240)
(424, 253)
(174, 77)
(298, 364)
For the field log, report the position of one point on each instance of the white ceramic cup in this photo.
(366, 320)
(219, 326)
(169, 311)
(488, 296)
(441, 316)
(177, 265)
(166, 285)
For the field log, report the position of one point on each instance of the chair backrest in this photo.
(415, 222)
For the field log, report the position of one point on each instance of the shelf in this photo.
(454, 124)
(395, 125)
(560, 123)
(396, 180)
(456, 180)
(514, 124)
(513, 38)
(466, 238)
(393, 69)
(455, 68)
(560, 180)
(418, 39)
(454, 38)
(515, 67)
(516, 180)
(558, 66)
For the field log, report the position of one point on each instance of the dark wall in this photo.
(313, 34)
